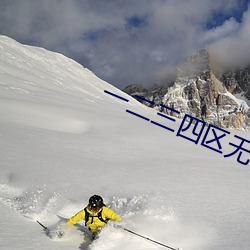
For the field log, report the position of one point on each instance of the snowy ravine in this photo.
(62, 139)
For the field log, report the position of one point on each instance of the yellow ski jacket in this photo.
(94, 223)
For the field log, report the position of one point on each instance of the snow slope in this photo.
(62, 139)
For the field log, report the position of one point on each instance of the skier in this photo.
(95, 214)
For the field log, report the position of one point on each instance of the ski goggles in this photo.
(94, 208)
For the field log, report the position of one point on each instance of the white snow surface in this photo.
(63, 139)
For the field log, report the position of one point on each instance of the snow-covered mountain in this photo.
(201, 92)
(63, 138)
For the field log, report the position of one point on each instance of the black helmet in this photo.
(96, 202)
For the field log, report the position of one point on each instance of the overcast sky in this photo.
(131, 41)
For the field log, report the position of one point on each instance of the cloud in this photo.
(233, 49)
(126, 42)
(228, 28)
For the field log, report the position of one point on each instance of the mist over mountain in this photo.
(205, 89)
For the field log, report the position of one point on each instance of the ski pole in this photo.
(45, 228)
(146, 238)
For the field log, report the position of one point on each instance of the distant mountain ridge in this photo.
(203, 93)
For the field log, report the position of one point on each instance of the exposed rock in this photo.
(237, 81)
(134, 88)
(198, 92)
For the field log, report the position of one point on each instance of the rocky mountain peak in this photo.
(194, 65)
(199, 92)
